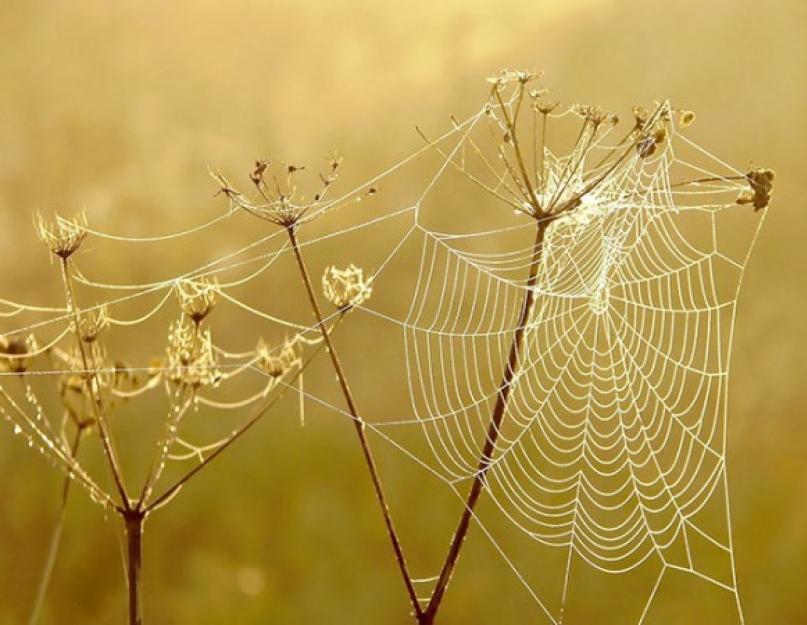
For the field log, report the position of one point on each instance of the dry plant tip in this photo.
(63, 237)
(761, 183)
(197, 298)
(16, 353)
(346, 288)
(279, 361)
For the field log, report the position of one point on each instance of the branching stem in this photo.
(103, 428)
(493, 432)
(359, 425)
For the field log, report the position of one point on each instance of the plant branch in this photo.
(360, 428)
(55, 540)
(494, 429)
(103, 427)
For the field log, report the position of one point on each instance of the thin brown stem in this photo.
(55, 539)
(133, 522)
(707, 180)
(494, 429)
(531, 197)
(359, 424)
(103, 428)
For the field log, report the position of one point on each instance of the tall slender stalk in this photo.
(359, 426)
(55, 539)
(95, 400)
(133, 521)
(428, 615)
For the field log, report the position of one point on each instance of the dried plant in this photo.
(559, 195)
(92, 386)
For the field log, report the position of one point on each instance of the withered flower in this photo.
(346, 288)
(686, 118)
(190, 358)
(92, 322)
(197, 298)
(507, 77)
(761, 182)
(62, 236)
(277, 362)
(16, 353)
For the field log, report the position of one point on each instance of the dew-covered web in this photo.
(613, 439)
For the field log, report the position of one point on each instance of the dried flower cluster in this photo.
(197, 298)
(346, 288)
(761, 181)
(16, 353)
(190, 358)
(276, 362)
(92, 322)
(62, 236)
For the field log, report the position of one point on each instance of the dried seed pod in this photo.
(16, 353)
(686, 118)
(761, 182)
(346, 288)
(92, 322)
(197, 298)
(277, 362)
(62, 236)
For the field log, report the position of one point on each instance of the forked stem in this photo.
(95, 400)
(428, 615)
(359, 425)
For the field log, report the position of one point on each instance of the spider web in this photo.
(614, 438)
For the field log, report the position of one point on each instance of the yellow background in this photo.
(120, 107)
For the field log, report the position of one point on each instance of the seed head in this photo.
(508, 77)
(190, 357)
(197, 298)
(593, 114)
(346, 288)
(686, 118)
(62, 236)
(92, 322)
(16, 353)
(545, 106)
(277, 362)
(761, 181)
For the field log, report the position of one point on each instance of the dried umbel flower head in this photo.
(75, 384)
(197, 298)
(92, 322)
(508, 77)
(62, 236)
(346, 288)
(686, 118)
(190, 359)
(16, 353)
(277, 362)
(595, 115)
(761, 182)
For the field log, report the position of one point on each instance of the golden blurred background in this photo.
(120, 107)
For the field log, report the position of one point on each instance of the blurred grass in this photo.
(120, 106)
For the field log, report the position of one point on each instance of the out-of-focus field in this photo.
(120, 107)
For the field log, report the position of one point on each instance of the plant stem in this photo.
(55, 540)
(103, 428)
(428, 615)
(133, 521)
(359, 424)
